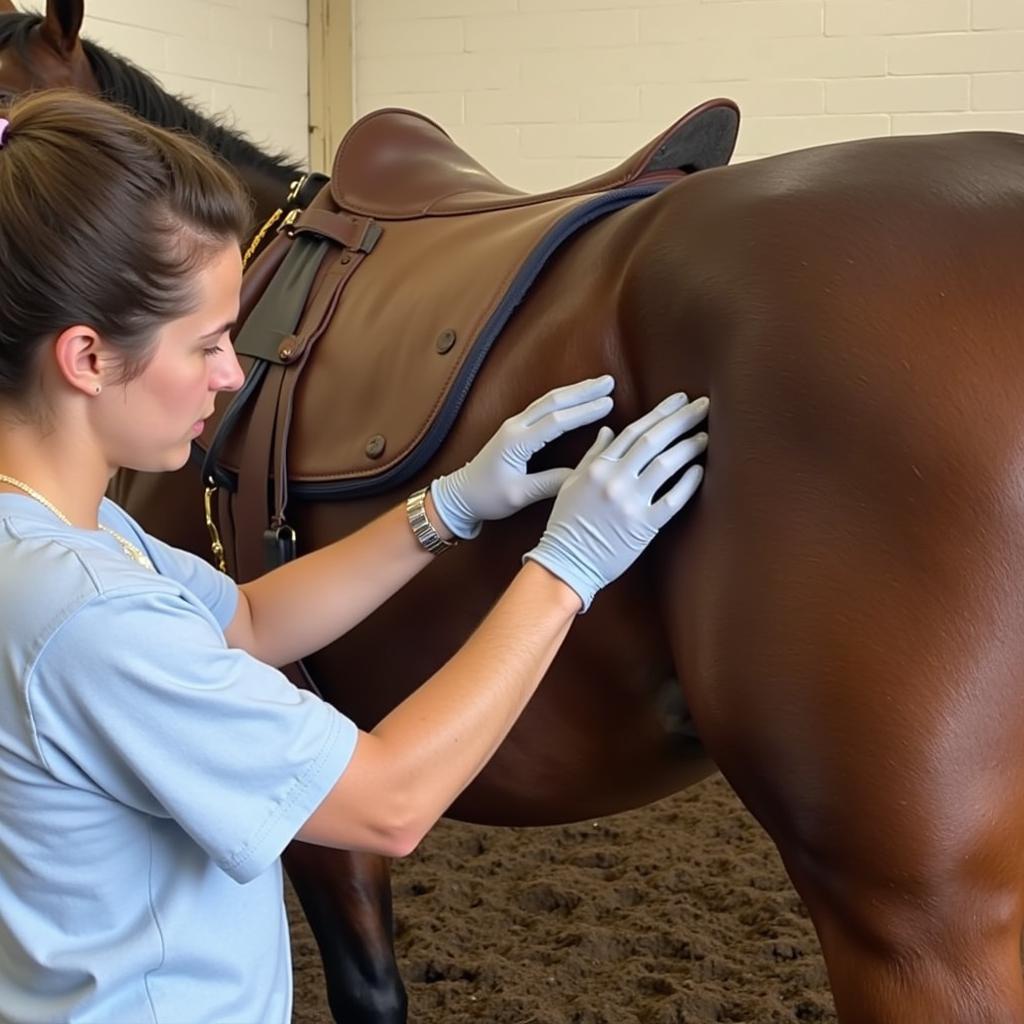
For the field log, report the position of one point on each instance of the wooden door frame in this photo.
(331, 99)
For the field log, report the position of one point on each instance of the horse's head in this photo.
(43, 51)
(46, 52)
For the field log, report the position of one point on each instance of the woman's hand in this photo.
(495, 484)
(605, 515)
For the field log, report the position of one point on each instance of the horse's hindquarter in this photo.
(846, 597)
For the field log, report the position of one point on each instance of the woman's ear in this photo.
(81, 359)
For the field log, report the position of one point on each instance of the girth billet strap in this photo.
(272, 319)
(278, 336)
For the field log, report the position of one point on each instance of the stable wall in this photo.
(545, 92)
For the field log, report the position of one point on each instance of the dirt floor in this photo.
(679, 913)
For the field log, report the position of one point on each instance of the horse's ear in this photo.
(62, 24)
(6, 7)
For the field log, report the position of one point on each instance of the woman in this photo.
(153, 761)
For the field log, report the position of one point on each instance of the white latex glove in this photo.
(495, 483)
(604, 515)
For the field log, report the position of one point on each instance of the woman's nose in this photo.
(229, 375)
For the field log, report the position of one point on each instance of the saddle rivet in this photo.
(345, 258)
(375, 446)
(285, 351)
(445, 341)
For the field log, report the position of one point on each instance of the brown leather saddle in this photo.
(394, 282)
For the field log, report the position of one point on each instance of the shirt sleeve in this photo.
(138, 697)
(215, 589)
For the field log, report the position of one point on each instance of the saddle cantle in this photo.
(400, 276)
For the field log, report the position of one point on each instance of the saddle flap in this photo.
(402, 332)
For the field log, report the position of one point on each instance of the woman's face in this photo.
(149, 423)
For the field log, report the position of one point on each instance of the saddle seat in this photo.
(397, 164)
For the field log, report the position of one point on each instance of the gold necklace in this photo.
(135, 553)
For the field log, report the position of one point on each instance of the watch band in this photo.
(422, 528)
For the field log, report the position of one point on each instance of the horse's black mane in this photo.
(122, 82)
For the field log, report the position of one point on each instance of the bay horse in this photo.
(842, 606)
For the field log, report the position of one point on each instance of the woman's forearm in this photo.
(301, 607)
(417, 760)
(405, 772)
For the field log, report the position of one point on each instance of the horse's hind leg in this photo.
(913, 875)
(346, 898)
(913, 878)
(864, 694)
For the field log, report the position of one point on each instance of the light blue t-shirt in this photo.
(150, 777)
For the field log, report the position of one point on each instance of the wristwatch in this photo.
(422, 528)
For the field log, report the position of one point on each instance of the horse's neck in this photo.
(267, 176)
(267, 188)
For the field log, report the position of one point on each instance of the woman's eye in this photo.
(213, 350)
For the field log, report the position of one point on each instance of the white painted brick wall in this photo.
(247, 59)
(545, 92)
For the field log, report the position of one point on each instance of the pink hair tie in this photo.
(4, 125)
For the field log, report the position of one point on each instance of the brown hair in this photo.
(104, 220)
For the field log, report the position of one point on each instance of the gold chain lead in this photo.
(260, 235)
(215, 542)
